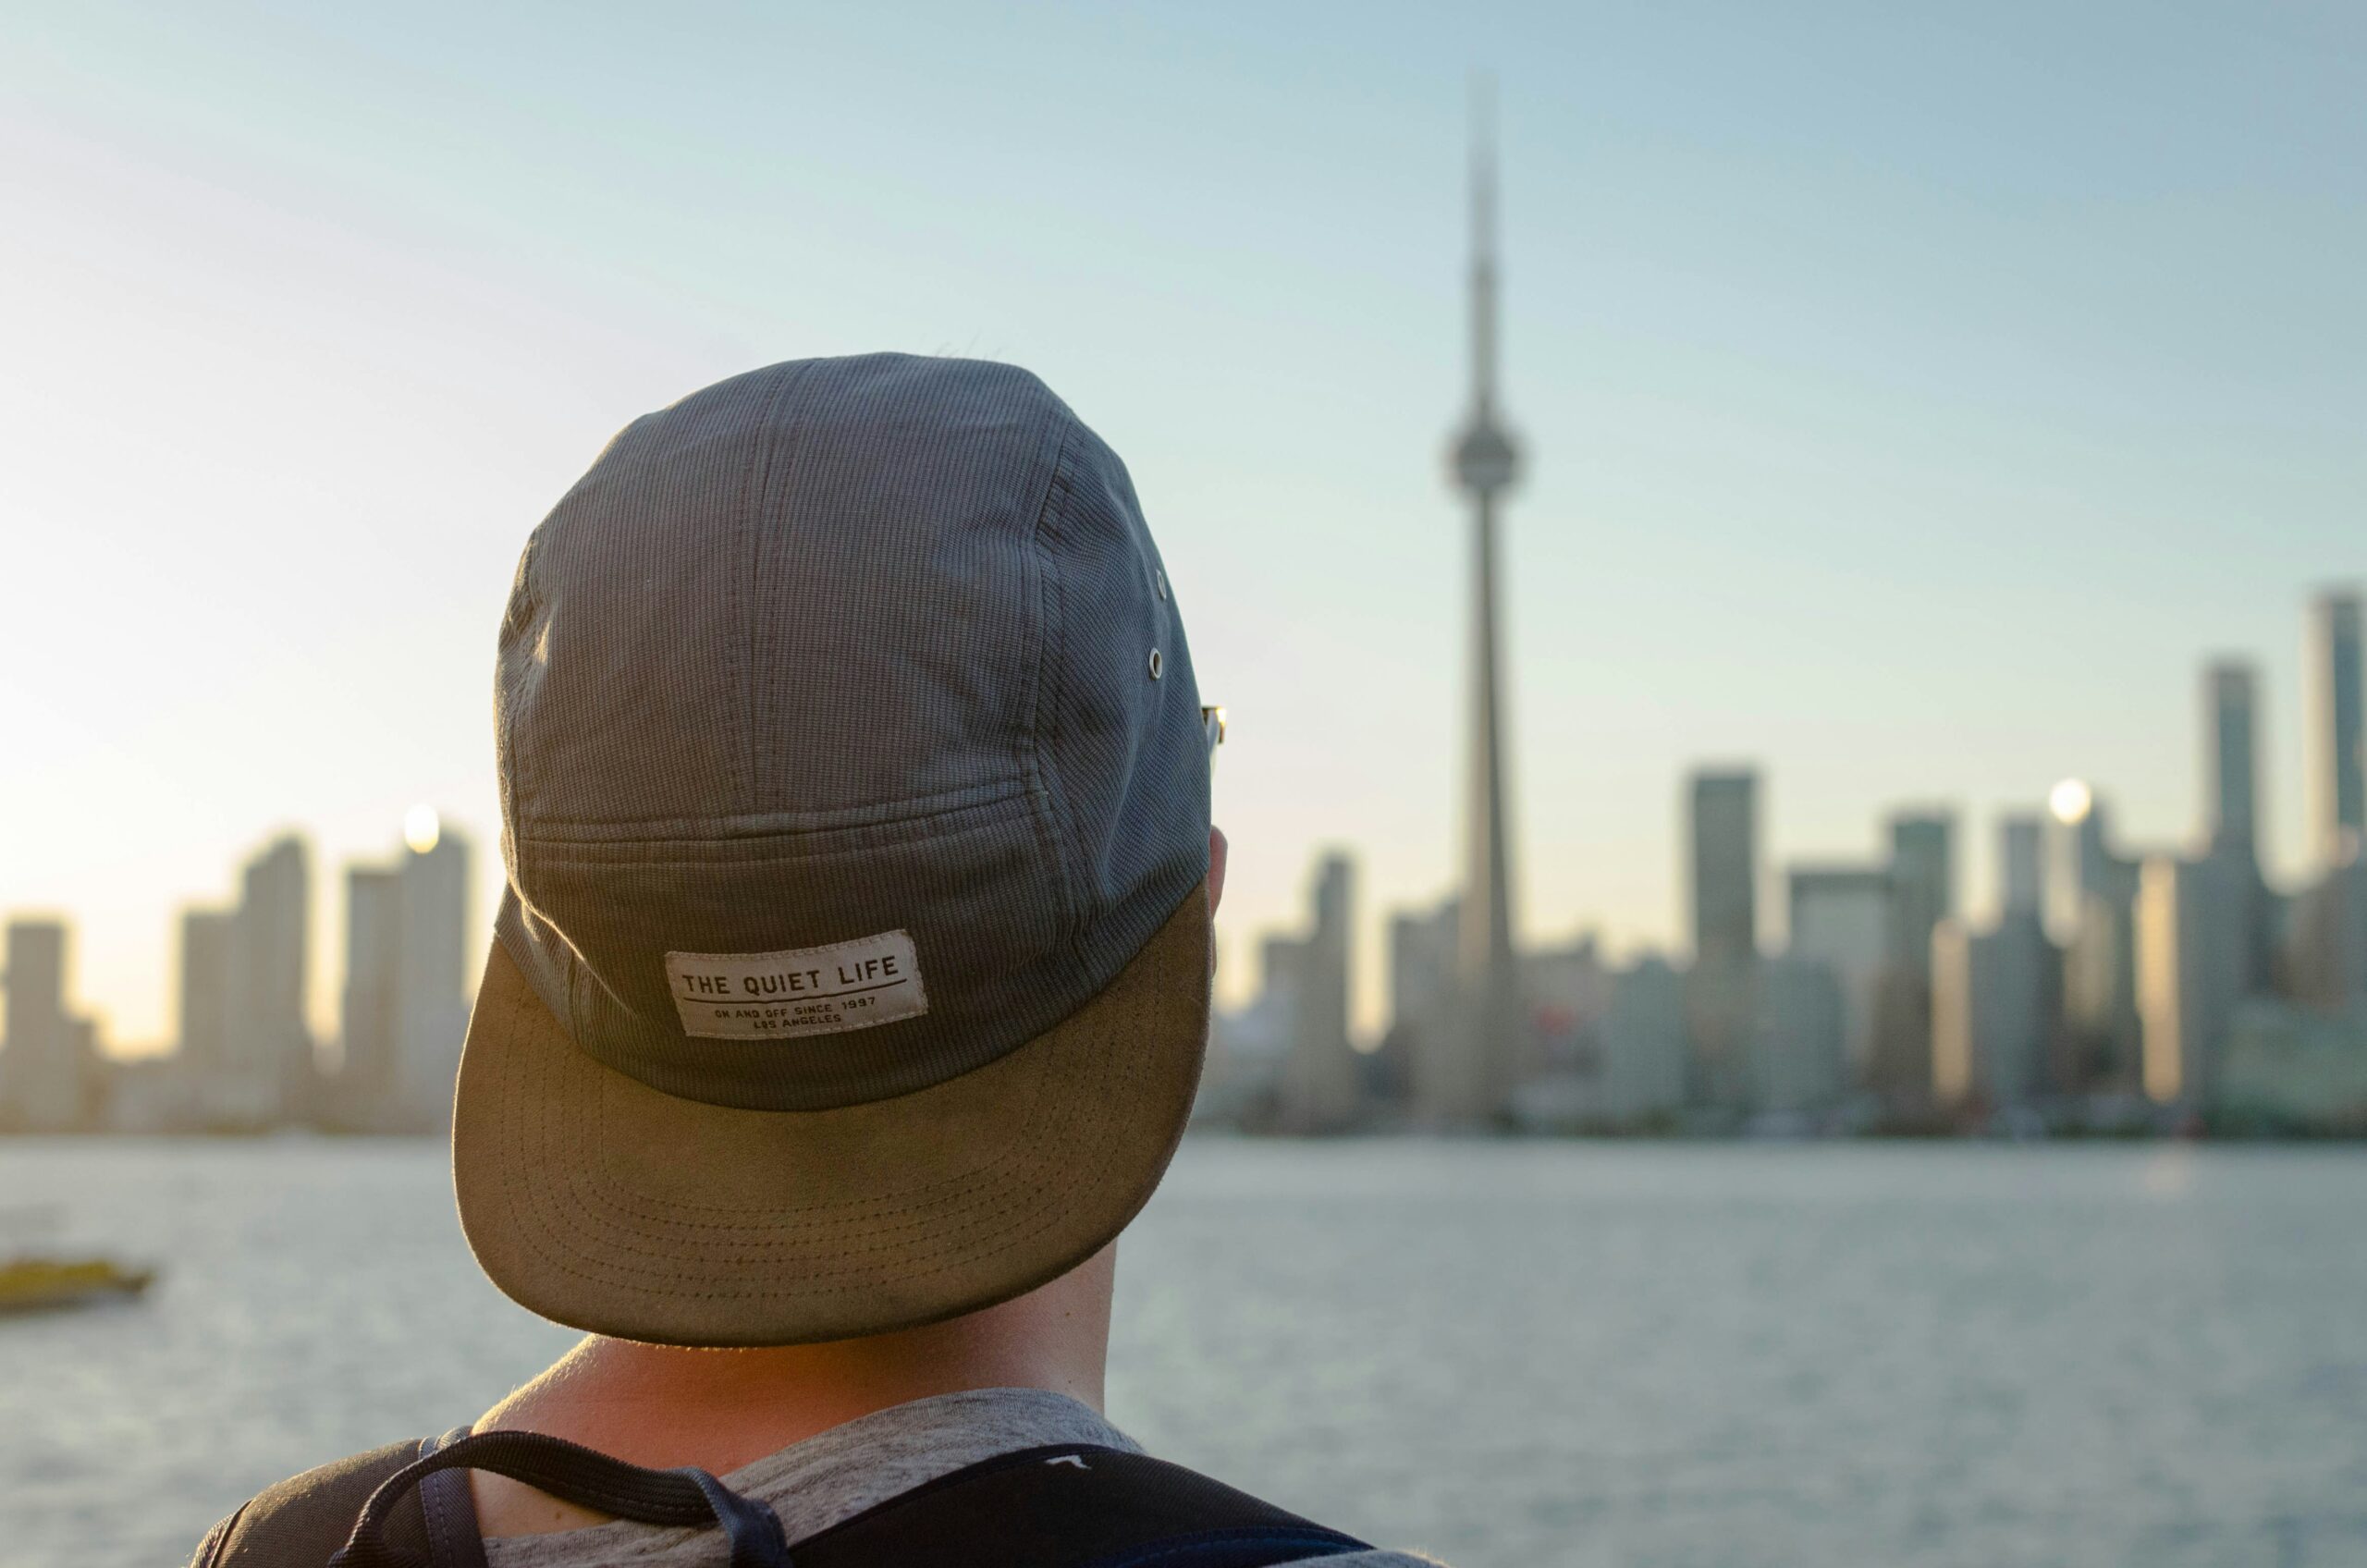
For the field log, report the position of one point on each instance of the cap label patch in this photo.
(803, 991)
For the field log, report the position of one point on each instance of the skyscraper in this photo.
(2020, 860)
(406, 1009)
(1425, 1020)
(267, 1066)
(206, 990)
(368, 1074)
(1923, 885)
(1840, 917)
(2230, 738)
(1923, 881)
(40, 1068)
(1959, 961)
(2091, 892)
(2190, 972)
(431, 973)
(1994, 996)
(1321, 1085)
(2326, 940)
(1643, 1042)
(1797, 1061)
(2080, 862)
(1724, 836)
(2231, 744)
(1484, 463)
(2335, 738)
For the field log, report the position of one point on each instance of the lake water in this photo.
(1507, 1354)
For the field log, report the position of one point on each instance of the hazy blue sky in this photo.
(1913, 400)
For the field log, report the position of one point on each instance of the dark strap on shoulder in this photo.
(301, 1521)
(1072, 1505)
(585, 1477)
(450, 1510)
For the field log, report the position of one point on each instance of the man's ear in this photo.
(1216, 867)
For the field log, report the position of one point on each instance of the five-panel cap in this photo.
(853, 971)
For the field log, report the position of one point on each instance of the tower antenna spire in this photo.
(1483, 240)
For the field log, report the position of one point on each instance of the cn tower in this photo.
(1478, 1068)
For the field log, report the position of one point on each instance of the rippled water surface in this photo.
(1505, 1353)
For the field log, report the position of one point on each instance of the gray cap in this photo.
(854, 801)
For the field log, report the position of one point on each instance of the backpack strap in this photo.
(687, 1497)
(302, 1521)
(1066, 1505)
(449, 1512)
(1072, 1505)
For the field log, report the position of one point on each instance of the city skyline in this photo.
(2113, 986)
(1889, 439)
(2317, 789)
(243, 1054)
(2177, 972)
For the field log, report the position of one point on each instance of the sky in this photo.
(1914, 396)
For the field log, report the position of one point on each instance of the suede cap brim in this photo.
(598, 1202)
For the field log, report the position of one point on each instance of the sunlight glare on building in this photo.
(421, 828)
(2070, 800)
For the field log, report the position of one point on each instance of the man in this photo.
(850, 988)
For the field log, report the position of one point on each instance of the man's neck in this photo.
(663, 1406)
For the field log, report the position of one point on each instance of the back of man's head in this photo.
(852, 971)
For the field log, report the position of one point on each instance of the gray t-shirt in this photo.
(838, 1474)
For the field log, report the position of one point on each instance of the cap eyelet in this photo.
(1156, 664)
(1159, 577)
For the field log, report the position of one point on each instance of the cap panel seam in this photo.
(865, 839)
(1052, 812)
(756, 486)
(505, 720)
(782, 824)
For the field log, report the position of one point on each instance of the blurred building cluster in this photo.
(2112, 988)
(245, 1057)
